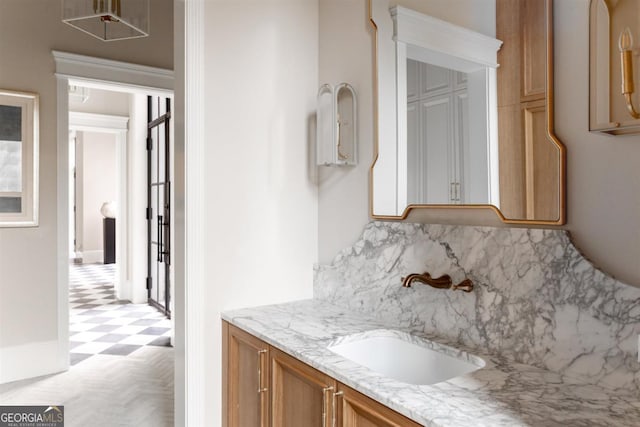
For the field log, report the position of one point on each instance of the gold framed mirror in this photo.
(453, 130)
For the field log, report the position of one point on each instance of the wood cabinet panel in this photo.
(509, 72)
(543, 167)
(247, 372)
(513, 203)
(534, 49)
(357, 410)
(301, 395)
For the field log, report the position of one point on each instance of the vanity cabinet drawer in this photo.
(263, 386)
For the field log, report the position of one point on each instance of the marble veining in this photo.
(537, 300)
(502, 393)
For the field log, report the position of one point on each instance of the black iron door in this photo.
(158, 202)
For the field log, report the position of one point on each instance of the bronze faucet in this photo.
(442, 282)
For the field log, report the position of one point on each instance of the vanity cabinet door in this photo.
(246, 373)
(300, 395)
(354, 409)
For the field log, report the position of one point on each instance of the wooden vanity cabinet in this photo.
(263, 386)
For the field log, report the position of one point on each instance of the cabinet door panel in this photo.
(357, 410)
(247, 376)
(300, 394)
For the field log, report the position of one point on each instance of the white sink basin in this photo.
(405, 358)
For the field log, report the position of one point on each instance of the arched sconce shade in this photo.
(336, 132)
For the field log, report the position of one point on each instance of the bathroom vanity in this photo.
(280, 371)
(553, 338)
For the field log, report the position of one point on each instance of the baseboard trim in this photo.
(92, 257)
(30, 360)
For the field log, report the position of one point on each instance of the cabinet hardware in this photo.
(336, 395)
(260, 388)
(324, 405)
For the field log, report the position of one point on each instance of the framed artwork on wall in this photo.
(18, 159)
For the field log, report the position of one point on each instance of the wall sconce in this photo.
(625, 44)
(108, 20)
(336, 132)
(612, 27)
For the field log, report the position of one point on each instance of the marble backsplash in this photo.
(536, 300)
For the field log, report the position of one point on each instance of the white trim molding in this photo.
(191, 404)
(472, 50)
(72, 65)
(92, 257)
(98, 122)
(26, 361)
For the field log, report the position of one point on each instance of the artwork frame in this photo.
(19, 158)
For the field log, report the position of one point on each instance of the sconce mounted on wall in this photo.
(108, 20)
(336, 132)
(612, 96)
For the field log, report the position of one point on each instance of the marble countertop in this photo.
(503, 393)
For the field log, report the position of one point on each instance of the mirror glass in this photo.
(463, 118)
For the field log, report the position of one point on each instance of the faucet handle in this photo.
(466, 286)
(443, 281)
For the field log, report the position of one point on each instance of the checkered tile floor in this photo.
(101, 324)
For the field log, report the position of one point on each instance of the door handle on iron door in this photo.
(160, 239)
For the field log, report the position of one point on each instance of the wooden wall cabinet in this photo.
(263, 386)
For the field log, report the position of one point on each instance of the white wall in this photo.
(96, 182)
(346, 54)
(260, 199)
(28, 313)
(603, 181)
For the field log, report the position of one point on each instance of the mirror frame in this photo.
(550, 135)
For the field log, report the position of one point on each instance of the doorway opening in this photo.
(113, 309)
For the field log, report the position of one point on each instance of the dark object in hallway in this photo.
(109, 240)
